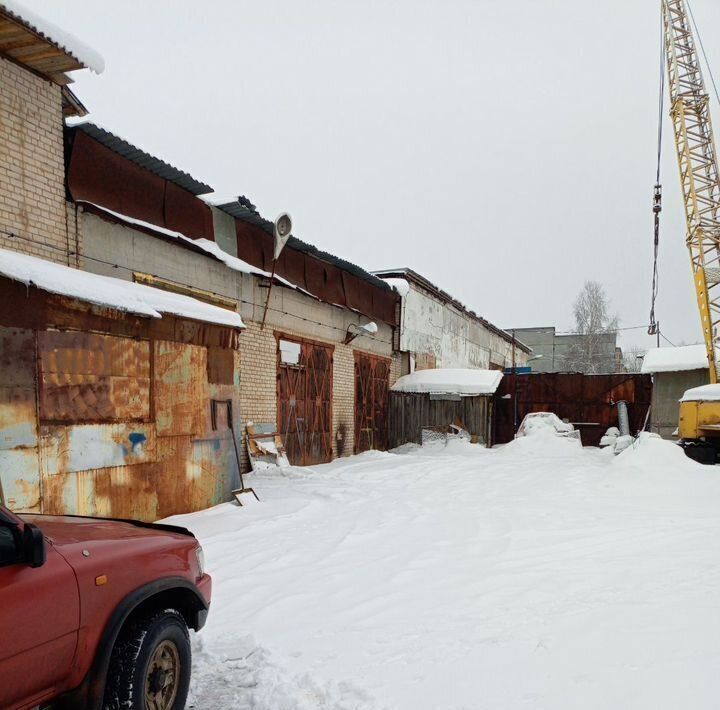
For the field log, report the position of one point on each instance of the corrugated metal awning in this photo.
(143, 159)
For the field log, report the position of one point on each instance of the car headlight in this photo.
(200, 560)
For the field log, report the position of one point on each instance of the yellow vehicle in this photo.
(699, 426)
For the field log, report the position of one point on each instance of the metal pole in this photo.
(267, 302)
(514, 387)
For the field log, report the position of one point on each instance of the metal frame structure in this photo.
(697, 160)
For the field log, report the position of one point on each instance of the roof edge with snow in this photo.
(675, 359)
(108, 292)
(80, 54)
(453, 381)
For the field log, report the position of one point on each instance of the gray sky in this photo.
(505, 150)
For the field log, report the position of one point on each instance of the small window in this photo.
(289, 352)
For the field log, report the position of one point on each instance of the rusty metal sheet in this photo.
(18, 420)
(124, 492)
(212, 473)
(587, 400)
(68, 449)
(182, 396)
(20, 479)
(191, 475)
(86, 377)
(221, 366)
(19, 468)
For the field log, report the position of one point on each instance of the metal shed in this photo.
(673, 370)
(108, 392)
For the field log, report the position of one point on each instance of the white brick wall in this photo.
(32, 184)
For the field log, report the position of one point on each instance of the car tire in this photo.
(150, 664)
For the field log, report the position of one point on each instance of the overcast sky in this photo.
(505, 150)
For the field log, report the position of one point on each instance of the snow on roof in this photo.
(450, 381)
(64, 40)
(705, 393)
(109, 292)
(675, 359)
(402, 286)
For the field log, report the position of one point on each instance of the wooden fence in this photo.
(410, 412)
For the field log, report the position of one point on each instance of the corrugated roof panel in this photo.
(240, 211)
(143, 159)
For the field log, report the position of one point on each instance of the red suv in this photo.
(95, 613)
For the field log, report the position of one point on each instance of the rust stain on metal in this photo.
(116, 424)
(182, 396)
(19, 470)
(68, 449)
(86, 377)
(220, 366)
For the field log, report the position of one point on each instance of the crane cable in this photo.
(654, 327)
(702, 49)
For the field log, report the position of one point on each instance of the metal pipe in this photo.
(623, 418)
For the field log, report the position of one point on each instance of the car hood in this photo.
(71, 529)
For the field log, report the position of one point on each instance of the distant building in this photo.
(554, 352)
(437, 331)
(673, 370)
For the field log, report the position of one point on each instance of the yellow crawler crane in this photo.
(699, 427)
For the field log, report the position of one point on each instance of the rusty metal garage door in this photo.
(304, 393)
(372, 387)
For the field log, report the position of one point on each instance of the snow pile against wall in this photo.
(58, 36)
(108, 292)
(679, 359)
(704, 393)
(450, 381)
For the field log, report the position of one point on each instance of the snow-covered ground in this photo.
(535, 575)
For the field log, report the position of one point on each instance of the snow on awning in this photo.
(464, 382)
(109, 292)
(62, 39)
(704, 393)
(675, 359)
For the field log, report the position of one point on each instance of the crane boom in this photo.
(697, 160)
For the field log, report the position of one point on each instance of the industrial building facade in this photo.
(110, 406)
(437, 331)
(113, 412)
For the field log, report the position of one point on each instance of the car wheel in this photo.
(150, 664)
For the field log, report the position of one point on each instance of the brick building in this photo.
(84, 198)
(34, 98)
(332, 401)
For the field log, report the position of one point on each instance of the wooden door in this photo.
(304, 394)
(372, 389)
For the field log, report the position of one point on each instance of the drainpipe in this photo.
(623, 418)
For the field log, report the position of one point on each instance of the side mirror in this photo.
(33, 544)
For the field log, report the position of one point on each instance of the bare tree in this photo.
(593, 349)
(633, 357)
